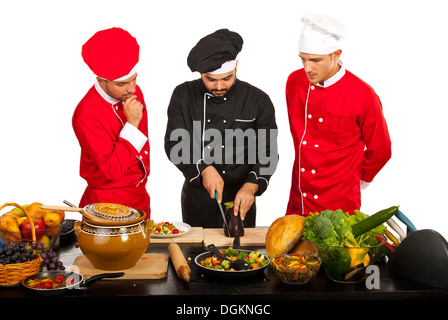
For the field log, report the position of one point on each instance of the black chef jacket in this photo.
(195, 119)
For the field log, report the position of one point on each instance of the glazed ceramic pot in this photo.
(116, 247)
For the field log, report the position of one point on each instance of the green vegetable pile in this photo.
(255, 259)
(346, 243)
(334, 228)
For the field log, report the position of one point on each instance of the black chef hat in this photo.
(213, 50)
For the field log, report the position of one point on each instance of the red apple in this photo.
(39, 227)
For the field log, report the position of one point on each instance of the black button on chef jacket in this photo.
(195, 119)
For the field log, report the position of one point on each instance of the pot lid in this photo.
(112, 214)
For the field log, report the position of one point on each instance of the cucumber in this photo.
(373, 221)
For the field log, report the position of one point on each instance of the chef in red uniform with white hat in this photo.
(111, 124)
(337, 124)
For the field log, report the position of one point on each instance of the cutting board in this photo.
(195, 234)
(252, 237)
(150, 266)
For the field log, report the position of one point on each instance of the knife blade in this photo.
(222, 213)
(236, 242)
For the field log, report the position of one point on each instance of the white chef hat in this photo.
(320, 34)
(225, 67)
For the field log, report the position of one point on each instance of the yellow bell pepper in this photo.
(358, 256)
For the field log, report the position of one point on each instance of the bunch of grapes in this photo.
(14, 252)
(18, 252)
(51, 260)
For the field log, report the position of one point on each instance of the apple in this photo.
(39, 226)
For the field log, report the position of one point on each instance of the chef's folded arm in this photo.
(112, 157)
(376, 137)
(134, 136)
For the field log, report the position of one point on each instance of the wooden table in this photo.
(265, 290)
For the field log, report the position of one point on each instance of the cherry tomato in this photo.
(48, 285)
(175, 231)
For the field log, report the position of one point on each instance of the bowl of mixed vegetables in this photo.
(345, 248)
(296, 268)
(212, 265)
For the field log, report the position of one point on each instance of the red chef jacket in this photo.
(340, 138)
(114, 154)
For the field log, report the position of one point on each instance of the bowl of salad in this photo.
(348, 264)
(212, 265)
(344, 252)
(295, 268)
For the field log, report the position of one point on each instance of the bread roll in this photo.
(283, 234)
(303, 247)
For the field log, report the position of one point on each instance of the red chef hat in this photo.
(111, 54)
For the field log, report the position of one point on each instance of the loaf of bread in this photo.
(283, 234)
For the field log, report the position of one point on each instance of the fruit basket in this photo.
(16, 225)
(12, 274)
(49, 237)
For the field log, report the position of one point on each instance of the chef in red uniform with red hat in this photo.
(111, 124)
(337, 124)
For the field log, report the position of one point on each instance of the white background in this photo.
(398, 47)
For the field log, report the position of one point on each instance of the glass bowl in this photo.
(48, 236)
(296, 268)
(348, 265)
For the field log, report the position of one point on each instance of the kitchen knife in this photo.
(222, 213)
(236, 242)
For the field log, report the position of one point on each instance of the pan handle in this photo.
(97, 277)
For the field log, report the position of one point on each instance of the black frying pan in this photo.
(75, 279)
(240, 274)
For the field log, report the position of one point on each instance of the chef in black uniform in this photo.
(221, 134)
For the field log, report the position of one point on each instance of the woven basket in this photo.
(13, 274)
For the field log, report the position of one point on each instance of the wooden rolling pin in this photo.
(180, 264)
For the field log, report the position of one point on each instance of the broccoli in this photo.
(347, 237)
(242, 254)
(338, 218)
(330, 228)
(323, 227)
(230, 252)
(226, 264)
